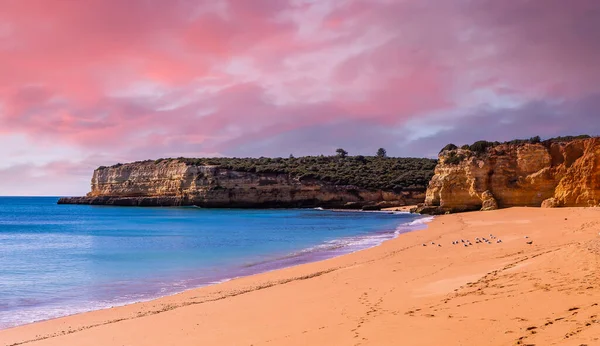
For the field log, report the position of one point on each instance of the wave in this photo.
(340, 246)
(421, 221)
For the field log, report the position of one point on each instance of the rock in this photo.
(175, 183)
(371, 208)
(550, 203)
(390, 204)
(431, 210)
(352, 205)
(510, 175)
(488, 201)
(580, 186)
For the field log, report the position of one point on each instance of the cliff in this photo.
(175, 182)
(549, 174)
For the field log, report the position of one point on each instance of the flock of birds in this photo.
(467, 242)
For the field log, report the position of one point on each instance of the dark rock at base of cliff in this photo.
(390, 204)
(428, 209)
(351, 205)
(438, 210)
(126, 201)
(182, 201)
(371, 208)
(360, 205)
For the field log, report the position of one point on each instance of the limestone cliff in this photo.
(552, 173)
(176, 182)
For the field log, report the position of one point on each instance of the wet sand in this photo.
(399, 293)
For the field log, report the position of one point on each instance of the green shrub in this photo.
(480, 146)
(566, 138)
(517, 142)
(449, 147)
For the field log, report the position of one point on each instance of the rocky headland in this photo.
(329, 182)
(559, 172)
(563, 172)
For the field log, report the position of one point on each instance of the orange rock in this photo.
(550, 203)
(580, 186)
(558, 173)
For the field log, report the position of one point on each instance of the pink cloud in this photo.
(142, 78)
(55, 178)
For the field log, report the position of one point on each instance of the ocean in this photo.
(57, 260)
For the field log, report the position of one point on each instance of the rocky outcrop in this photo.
(175, 183)
(550, 203)
(507, 175)
(580, 185)
(488, 202)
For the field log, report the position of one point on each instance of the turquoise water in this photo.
(57, 260)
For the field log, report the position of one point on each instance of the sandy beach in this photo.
(399, 293)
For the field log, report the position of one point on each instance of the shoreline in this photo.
(337, 247)
(423, 293)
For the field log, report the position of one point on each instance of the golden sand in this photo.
(399, 293)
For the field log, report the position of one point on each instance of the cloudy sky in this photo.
(96, 82)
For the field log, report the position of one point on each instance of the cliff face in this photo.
(552, 174)
(176, 183)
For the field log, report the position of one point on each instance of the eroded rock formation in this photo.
(173, 183)
(551, 174)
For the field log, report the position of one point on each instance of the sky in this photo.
(96, 82)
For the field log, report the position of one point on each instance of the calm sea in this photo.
(57, 260)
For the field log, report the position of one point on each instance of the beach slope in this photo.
(400, 293)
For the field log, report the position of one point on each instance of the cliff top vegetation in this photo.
(370, 172)
(482, 146)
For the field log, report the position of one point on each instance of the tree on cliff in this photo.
(341, 152)
(381, 152)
